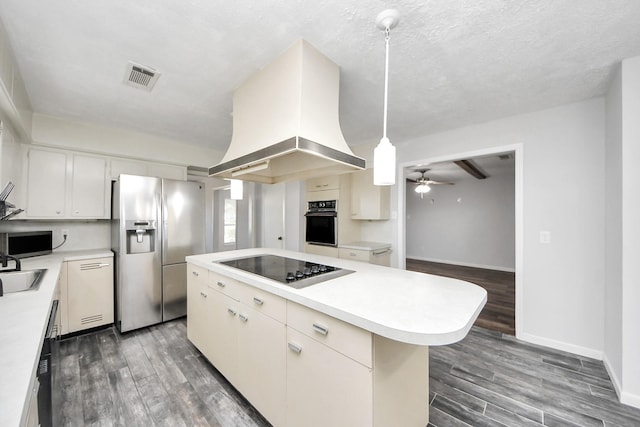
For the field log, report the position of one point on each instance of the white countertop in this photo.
(23, 323)
(366, 246)
(401, 305)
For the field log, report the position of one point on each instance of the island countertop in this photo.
(405, 306)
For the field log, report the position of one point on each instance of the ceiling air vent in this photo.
(139, 76)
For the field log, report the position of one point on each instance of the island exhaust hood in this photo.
(285, 122)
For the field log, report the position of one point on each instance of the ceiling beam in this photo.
(471, 169)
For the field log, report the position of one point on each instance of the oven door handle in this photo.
(330, 214)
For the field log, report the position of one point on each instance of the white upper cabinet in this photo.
(88, 187)
(368, 201)
(46, 184)
(66, 185)
(137, 167)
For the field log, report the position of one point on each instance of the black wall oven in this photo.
(322, 223)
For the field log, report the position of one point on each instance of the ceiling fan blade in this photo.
(429, 182)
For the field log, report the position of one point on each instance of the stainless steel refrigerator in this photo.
(155, 224)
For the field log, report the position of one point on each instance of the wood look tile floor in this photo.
(155, 377)
(499, 313)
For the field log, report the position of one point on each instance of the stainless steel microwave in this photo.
(25, 244)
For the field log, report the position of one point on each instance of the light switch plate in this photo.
(545, 237)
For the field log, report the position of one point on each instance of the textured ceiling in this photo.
(453, 62)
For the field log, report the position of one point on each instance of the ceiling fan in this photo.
(424, 183)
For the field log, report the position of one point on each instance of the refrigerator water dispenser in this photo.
(140, 236)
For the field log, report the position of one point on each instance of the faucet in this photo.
(4, 260)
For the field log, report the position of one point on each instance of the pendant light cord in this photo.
(386, 81)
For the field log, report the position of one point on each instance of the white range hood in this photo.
(285, 122)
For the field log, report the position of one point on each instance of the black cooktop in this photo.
(289, 271)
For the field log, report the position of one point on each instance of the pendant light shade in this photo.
(236, 189)
(384, 163)
(384, 155)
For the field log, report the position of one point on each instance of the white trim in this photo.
(464, 264)
(563, 346)
(612, 375)
(630, 399)
(519, 221)
(624, 397)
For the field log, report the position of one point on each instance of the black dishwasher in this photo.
(45, 369)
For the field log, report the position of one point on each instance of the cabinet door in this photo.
(128, 167)
(198, 313)
(331, 182)
(62, 323)
(368, 201)
(224, 339)
(261, 374)
(46, 184)
(161, 170)
(88, 187)
(313, 399)
(90, 293)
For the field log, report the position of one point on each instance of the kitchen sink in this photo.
(18, 281)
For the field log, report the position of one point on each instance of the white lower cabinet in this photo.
(261, 363)
(89, 293)
(300, 367)
(325, 387)
(198, 310)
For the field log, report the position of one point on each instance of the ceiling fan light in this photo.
(384, 163)
(422, 188)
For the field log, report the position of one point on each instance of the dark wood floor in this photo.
(155, 377)
(499, 314)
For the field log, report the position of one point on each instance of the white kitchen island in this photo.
(352, 350)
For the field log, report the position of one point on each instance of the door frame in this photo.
(518, 150)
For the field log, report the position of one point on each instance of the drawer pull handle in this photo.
(352, 254)
(231, 311)
(93, 265)
(321, 329)
(243, 317)
(203, 294)
(294, 347)
(258, 300)
(222, 285)
(195, 273)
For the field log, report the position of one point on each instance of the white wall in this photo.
(562, 153)
(613, 231)
(471, 223)
(83, 235)
(631, 231)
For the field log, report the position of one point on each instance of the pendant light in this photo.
(236, 189)
(384, 155)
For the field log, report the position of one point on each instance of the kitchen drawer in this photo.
(345, 338)
(354, 254)
(198, 273)
(263, 302)
(228, 286)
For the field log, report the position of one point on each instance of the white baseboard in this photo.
(630, 399)
(563, 346)
(464, 264)
(624, 397)
(612, 375)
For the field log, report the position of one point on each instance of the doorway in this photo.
(461, 217)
